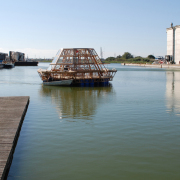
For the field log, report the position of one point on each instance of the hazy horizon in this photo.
(41, 28)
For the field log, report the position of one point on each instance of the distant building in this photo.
(16, 56)
(3, 57)
(173, 43)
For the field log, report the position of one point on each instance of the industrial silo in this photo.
(173, 43)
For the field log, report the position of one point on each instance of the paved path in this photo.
(12, 113)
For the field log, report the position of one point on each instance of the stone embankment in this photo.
(170, 66)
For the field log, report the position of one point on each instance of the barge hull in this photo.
(26, 63)
(58, 83)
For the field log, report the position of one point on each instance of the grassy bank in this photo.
(136, 60)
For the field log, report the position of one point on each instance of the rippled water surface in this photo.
(128, 131)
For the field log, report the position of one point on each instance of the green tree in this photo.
(110, 59)
(151, 57)
(127, 55)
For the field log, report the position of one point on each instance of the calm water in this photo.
(128, 131)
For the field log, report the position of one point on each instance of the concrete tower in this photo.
(173, 43)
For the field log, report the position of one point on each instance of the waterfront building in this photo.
(173, 43)
(16, 56)
(3, 56)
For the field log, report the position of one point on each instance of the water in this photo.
(128, 131)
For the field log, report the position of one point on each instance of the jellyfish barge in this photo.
(77, 66)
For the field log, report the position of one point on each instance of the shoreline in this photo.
(168, 66)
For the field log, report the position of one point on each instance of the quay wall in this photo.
(169, 66)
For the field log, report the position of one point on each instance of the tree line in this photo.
(129, 58)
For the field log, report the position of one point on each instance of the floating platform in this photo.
(26, 63)
(82, 65)
(12, 113)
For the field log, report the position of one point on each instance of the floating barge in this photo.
(80, 65)
(19, 59)
(26, 63)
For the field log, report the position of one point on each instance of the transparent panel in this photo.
(60, 60)
(55, 60)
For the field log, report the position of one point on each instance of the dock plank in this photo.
(12, 111)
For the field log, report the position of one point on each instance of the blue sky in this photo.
(41, 27)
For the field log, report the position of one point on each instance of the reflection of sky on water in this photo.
(173, 92)
(76, 102)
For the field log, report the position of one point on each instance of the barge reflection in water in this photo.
(76, 102)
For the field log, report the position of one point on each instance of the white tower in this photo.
(173, 42)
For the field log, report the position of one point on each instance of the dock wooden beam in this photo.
(12, 113)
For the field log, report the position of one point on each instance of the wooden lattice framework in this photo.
(79, 64)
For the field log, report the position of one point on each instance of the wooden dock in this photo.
(12, 113)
